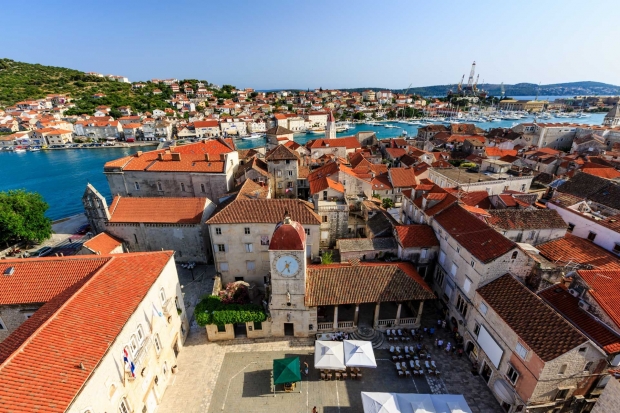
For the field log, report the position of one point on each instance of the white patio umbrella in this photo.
(359, 353)
(379, 403)
(328, 355)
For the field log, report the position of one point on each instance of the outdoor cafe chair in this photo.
(338, 376)
(407, 373)
(391, 349)
(344, 376)
(412, 364)
(400, 332)
(322, 376)
(433, 364)
(398, 350)
(329, 376)
(353, 376)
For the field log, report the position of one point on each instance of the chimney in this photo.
(207, 157)
(223, 157)
(160, 156)
(138, 154)
(176, 156)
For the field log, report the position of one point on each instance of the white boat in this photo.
(315, 131)
(19, 150)
(34, 149)
(253, 136)
(387, 125)
(415, 122)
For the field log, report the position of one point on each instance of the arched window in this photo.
(514, 255)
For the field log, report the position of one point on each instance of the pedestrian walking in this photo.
(305, 368)
(314, 410)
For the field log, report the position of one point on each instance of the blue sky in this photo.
(329, 44)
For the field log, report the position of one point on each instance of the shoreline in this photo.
(123, 146)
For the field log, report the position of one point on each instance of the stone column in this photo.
(400, 305)
(335, 317)
(418, 318)
(376, 322)
(356, 315)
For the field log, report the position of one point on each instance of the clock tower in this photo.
(287, 250)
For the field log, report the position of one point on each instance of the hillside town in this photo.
(490, 254)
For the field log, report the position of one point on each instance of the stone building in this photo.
(533, 226)
(613, 117)
(328, 197)
(283, 165)
(278, 135)
(366, 249)
(418, 244)
(129, 310)
(527, 353)
(153, 224)
(240, 232)
(204, 169)
(305, 299)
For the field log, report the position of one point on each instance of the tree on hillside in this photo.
(22, 217)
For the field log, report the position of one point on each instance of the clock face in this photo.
(287, 265)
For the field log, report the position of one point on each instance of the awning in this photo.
(359, 354)
(504, 391)
(286, 370)
(379, 403)
(329, 355)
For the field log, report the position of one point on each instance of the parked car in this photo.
(42, 252)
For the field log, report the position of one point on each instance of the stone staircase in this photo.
(368, 334)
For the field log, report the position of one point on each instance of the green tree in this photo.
(359, 116)
(22, 217)
(327, 257)
(387, 203)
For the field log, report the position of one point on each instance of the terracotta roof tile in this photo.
(412, 236)
(281, 152)
(568, 306)
(321, 184)
(157, 210)
(38, 280)
(103, 243)
(482, 241)
(578, 250)
(265, 211)
(544, 331)
(349, 142)
(508, 219)
(33, 377)
(402, 177)
(364, 283)
(605, 289)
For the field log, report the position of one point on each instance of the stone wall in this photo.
(609, 401)
(12, 316)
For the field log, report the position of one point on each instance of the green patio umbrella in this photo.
(286, 370)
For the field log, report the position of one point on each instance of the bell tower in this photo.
(330, 126)
(287, 249)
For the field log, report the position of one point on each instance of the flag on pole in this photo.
(128, 364)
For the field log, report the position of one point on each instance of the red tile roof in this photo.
(265, 211)
(495, 151)
(605, 289)
(578, 250)
(413, 236)
(482, 241)
(38, 280)
(402, 177)
(364, 283)
(349, 142)
(39, 362)
(103, 243)
(544, 331)
(563, 302)
(321, 184)
(157, 210)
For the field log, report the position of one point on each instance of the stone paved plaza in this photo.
(234, 376)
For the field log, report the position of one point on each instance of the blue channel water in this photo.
(61, 175)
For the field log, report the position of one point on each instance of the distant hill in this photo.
(519, 89)
(20, 81)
